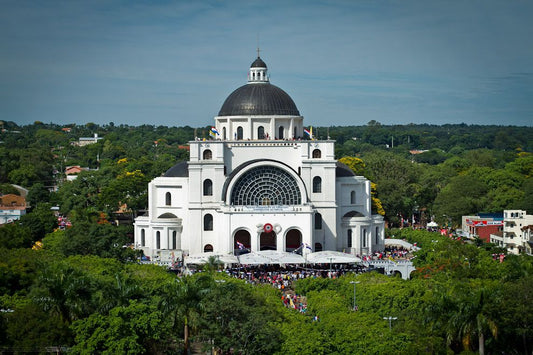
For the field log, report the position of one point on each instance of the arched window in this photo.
(318, 246)
(224, 133)
(158, 240)
(168, 199)
(260, 132)
(208, 222)
(349, 239)
(208, 155)
(266, 185)
(317, 184)
(239, 132)
(317, 154)
(174, 237)
(352, 197)
(208, 248)
(143, 238)
(318, 221)
(208, 187)
(281, 132)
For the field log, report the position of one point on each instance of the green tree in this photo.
(37, 194)
(463, 196)
(239, 318)
(16, 236)
(41, 220)
(182, 303)
(136, 328)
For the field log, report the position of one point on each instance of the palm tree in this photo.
(213, 264)
(462, 314)
(182, 299)
(475, 318)
(65, 292)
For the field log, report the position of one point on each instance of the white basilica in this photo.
(258, 186)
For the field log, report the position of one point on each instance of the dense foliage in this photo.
(460, 298)
(82, 288)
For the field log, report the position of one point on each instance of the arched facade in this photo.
(258, 186)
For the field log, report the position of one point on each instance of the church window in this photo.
(208, 155)
(158, 240)
(317, 154)
(266, 185)
(318, 221)
(261, 132)
(317, 184)
(174, 237)
(349, 239)
(295, 133)
(208, 248)
(208, 222)
(239, 133)
(143, 238)
(281, 132)
(364, 238)
(208, 187)
(318, 246)
(352, 197)
(168, 199)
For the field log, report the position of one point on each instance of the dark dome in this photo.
(342, 170)
(258, 63)
(179, 170)
(258, 99)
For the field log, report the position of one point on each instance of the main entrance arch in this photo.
(267, 241)
(293, 240)
(241, 242)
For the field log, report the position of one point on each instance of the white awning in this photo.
(328, 256)
(203, 257)
(401, 243)
(271, 257)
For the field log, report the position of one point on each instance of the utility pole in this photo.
(354, 283)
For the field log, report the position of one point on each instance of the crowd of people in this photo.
(294, 301)
(389, 253)
(282, 276)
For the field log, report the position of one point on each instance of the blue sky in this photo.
(343, 62)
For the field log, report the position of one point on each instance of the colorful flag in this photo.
(240, 245)
(214, 132)
(309, 133)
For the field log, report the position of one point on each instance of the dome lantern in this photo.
(258, 71)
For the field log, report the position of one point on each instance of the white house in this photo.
(516, 236)
(258, 185)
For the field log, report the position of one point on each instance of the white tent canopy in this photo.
(336, 257)
(270, 257)
(400, 242)
(202, 258)
(432, 224)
